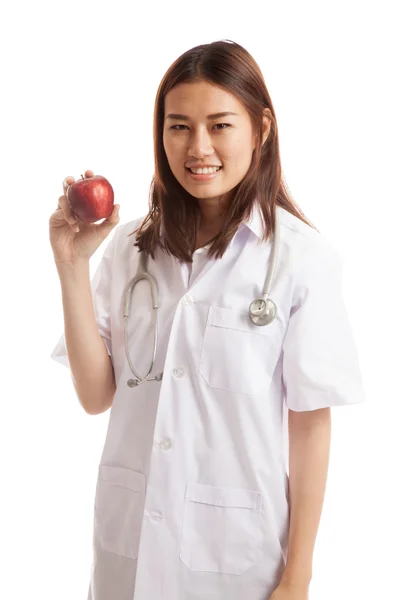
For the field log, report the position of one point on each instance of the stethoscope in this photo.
(262, 311)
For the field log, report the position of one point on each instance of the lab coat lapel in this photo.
(214, 275)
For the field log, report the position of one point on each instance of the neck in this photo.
(212, 216)
(210, 225)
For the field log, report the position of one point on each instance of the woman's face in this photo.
(193, 138)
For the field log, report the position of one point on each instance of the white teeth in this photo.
(205, 171)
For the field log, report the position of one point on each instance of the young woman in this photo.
(212, 477)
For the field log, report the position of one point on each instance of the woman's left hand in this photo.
(286, 591)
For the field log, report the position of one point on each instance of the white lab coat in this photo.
(192, 494)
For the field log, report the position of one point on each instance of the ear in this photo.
(267, 118)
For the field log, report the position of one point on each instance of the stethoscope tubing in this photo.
(141, 274)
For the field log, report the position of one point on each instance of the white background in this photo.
(78, 82)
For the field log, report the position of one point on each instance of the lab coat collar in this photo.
(255, 222)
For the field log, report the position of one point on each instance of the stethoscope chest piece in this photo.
(262, 311)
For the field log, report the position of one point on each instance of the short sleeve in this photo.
(101, 293)
(320, 359)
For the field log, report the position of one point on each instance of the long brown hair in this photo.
(231, 67)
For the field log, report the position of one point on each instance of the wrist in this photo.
(295, 577)
(72, 273)
(80, 264)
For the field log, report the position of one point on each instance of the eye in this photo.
(216, 125)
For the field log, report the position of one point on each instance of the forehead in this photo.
(201, 98)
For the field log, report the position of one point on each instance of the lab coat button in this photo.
(155, 519)
(187, 300)
(165, 444)
(178, 373)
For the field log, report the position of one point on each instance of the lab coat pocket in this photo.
(221, 530)
(237, 355)
(118, 510)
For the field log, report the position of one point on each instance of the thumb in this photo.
(108, 224)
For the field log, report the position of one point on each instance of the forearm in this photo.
(90, 364)
(309, 444)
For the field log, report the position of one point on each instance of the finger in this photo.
(66, 183)
(68, 214)
(66, 210)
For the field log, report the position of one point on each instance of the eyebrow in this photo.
(214, 116)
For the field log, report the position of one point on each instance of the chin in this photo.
(206, 194)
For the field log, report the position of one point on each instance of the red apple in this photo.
(91, 199)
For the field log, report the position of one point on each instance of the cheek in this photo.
(167, 146)
(241, 153)
(240, 145)
(173, 150)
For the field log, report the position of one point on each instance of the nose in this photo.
(200, 145)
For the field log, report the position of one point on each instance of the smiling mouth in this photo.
(190, 171)
(203, 177)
